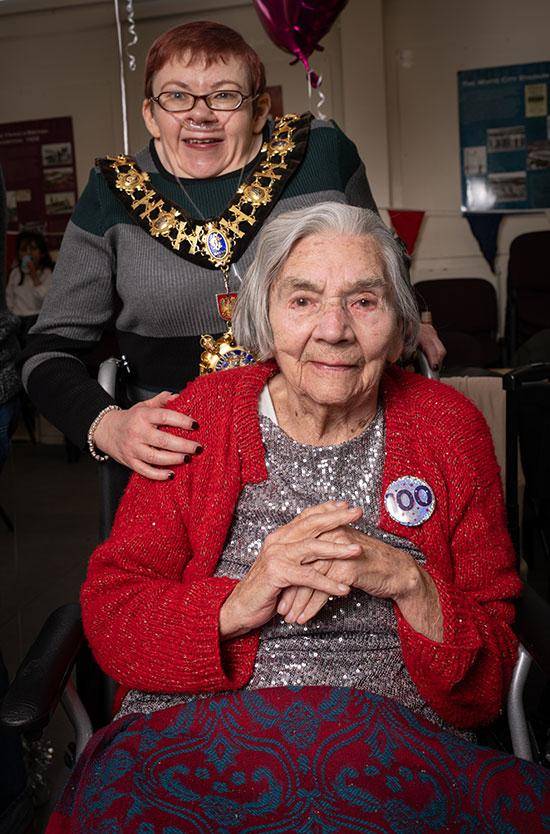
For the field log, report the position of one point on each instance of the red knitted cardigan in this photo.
(150, 604)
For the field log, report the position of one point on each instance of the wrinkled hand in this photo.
(291, 556)
(133, 438)
(432, 346)
(378, 569)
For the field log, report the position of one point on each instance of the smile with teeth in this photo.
(201, 141)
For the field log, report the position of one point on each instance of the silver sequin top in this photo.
(352, 641)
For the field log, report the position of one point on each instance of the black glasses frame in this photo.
(195, 98)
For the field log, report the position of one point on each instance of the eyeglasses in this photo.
(178, 101)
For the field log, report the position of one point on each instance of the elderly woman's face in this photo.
(333, 326)
(202, 143)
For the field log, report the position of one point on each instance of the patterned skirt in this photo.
(312, 760)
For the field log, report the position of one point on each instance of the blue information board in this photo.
(505, 138)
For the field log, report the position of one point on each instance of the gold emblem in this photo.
(165, 221)
(283, 145)
(130, 181)
(222, 354)
(256, 194)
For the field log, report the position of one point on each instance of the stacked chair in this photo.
(528, 290)
(465, 312)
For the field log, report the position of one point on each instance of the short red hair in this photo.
(206, 39)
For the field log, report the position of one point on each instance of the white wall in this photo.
(364, 96)
(439, 39)
(389, 70)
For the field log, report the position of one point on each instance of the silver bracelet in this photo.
(91, 431)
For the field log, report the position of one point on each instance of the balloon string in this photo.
(122, 81)
(320, 101)
(133, 34)
(321, 98)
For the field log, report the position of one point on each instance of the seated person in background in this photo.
(308, 619)
(29, 280)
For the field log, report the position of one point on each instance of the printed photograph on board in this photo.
(59, 178)
(61, 203)
(58, 153)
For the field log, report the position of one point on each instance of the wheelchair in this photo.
(45, 676)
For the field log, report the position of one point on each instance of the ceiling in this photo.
(143, 8)
(22, 6)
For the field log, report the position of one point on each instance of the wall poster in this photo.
(505, 138)
(37, 158)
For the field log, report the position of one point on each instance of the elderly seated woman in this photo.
(310, 616)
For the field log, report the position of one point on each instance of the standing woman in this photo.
(159, 242)
(29, 280)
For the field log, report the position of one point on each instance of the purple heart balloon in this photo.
(297, 26)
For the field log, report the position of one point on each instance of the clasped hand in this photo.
(317, 555)
(377, 569)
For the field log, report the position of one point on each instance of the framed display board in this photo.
(505, 138)
(37, 159)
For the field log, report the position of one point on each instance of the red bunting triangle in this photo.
(407, 225)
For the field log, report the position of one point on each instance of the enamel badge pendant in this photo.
(226, 304)
(222, 354)
(409, 501)
(217, 246)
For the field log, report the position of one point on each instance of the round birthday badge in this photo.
(409, 501)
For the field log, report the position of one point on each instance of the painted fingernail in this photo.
(194, 424)
(186, 458)
(198, 450)
(435, 367)
(171, 476)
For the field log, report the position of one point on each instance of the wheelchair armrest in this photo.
(107, 375)
(424, 367)
(37, 687)
(532, 626)
(537, 372)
